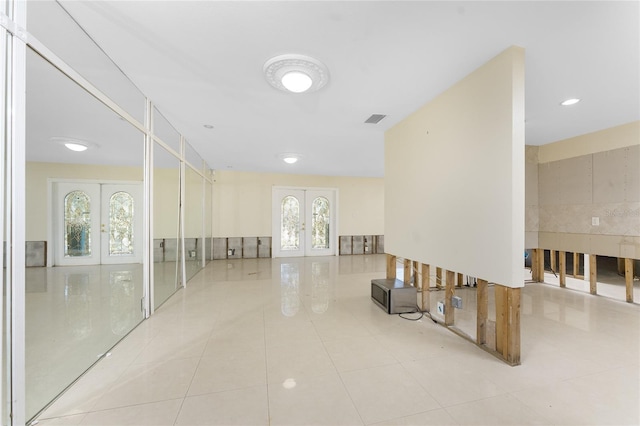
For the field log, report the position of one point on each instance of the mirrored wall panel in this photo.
(208, 221)
(193, 221)
(165, 131)
(166, 222)
(50, 23)
(84, 231)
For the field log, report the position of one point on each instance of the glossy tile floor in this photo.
(298, 341)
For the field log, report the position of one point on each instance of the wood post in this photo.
(438, 277)
(508, 323)
(576, 264)
(448, 305)
(416, 271)
(482, 310)
(552, 254)
(563, 268)
(593, 274)
(534, 265)
(407, 271)
(426, 283)
(460, 282)
(540, 265)
(628, 278)
(391, 267)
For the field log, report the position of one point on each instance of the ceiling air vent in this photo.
(375, 119)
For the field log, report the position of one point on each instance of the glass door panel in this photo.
(319, 211)
(121, 224)
(289, 223)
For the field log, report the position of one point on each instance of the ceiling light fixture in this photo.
(571, 101)
(296, 73)
(290, 158)
(74, 146)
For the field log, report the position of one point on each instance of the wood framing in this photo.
(438, 277)
(540, 265)
(534, 265)
(482, 310)
(563, 268)
(593, 274)
(448, 305)
(508, 323)
(425, 284)
(576, 264)
(416, 271)
(407, 271)
(460, 282)
(391, 267)
(628, 279)
(552, 255)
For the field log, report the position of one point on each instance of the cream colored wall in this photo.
(242, 202)
(37, 197)
(531, 219)
(591, 176)
(454, 176)
(166, 202)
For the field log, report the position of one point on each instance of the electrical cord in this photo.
(418, 311)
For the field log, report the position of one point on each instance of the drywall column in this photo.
(563, 268)
(391, 267)
(628, 277)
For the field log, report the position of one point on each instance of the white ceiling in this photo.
(201, 63)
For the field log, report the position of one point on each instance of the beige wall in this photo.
(601, 180)
(454, 176)
(37, 187)
(242, 202)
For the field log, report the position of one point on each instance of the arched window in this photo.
(121, 224)
(77, 224)
(290, 223)
(320, 226)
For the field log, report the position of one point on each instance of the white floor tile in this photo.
(153, 414)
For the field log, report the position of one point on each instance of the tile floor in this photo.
(298, 341)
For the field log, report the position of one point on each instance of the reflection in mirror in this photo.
(165, 131)
(88, 306)
(166, 222)
(289, 289)
(50, 23)
(208, 224)
(6, 285)
(192, 156)
(193, 222)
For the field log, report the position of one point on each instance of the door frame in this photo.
(275, 228)
(51, 226)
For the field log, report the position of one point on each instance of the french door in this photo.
(304, 222)
(97, 223)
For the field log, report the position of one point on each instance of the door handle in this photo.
(102, 226)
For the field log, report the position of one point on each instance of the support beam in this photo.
(552, 254)
(628, 278)
(438, 277)
(391, 267)
(534, 265)
(407, 271)
(448, 305)
(482, 310)
(416, 272)
(508, 323)
(426, 284)
(563, 268)
(540, 265)
(593, 274)
(460, 282)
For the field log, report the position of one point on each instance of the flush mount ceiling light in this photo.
(74, 144)
(296, 73)
(571, 101)
(290, 158)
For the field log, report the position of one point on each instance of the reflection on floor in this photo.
(298, 341)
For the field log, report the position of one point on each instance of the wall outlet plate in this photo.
(456, 301)
(441, 308)
(595, 221)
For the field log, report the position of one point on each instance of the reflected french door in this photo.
(304, 222)
(97, 223)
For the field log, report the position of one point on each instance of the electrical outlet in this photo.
(230, 252)
(441, 308)
(456, 302)
(595, 221)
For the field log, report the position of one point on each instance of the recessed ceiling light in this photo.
(75, 146)
(296, 73)
(208, 126)
(571, 101)
(289, 157)
(290, 160)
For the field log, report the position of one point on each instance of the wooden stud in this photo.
(416, 273)
(628, 278)
(391, 267)
(501, 319)
(438, 277)
(513, 325)
(593, 274)
(426, 283)
(576, 264)
(407, 271)
(460, 282)
(540, 265)
(482, 310)
(448, 305)
(552, 254)
(534, 265)
(563, 268)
